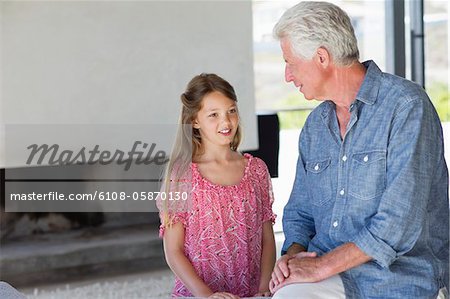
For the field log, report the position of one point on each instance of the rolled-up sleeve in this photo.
(298, 223)
(414, 152)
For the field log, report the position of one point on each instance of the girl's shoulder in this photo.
(181, 170)
(255, 164)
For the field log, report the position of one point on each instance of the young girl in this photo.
(221, 244)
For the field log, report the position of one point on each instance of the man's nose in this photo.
(287, 74)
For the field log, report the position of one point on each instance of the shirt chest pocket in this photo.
(367, 174)
(319, 180)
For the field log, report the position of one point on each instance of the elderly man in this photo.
(370, 198)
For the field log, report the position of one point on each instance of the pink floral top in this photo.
(223, 230)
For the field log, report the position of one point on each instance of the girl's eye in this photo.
(213, 115)
(233, 110)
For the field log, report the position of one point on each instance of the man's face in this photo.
(307, 75)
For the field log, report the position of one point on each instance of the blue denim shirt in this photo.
(384, 187)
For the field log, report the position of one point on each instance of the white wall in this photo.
(119, 62)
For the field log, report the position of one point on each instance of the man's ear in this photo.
(323, 57)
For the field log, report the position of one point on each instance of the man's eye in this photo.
(213, 115)
(233, 110)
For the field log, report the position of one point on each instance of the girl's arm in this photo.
(178, 262)
(267, 259)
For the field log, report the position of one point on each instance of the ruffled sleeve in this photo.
(169, 219)
(174, 202)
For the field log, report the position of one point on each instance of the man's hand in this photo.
(282, 269)
(306, 269)
(263, 294)
(301, 269)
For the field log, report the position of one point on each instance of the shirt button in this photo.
(344, 158)
(316, 167)
(342, 192)
(366, 158)
(335, 224)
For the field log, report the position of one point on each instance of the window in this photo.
(436, 56)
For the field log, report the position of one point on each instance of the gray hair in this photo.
(310, 25)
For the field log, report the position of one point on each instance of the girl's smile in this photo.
(225, 132)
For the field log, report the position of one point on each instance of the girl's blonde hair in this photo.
(188, 140)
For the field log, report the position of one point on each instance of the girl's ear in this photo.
(195, 124)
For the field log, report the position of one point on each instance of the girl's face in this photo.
(218, 119)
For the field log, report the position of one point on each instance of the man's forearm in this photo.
(343, 258)
(295, 248)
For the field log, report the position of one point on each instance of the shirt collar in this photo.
(368, 92)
